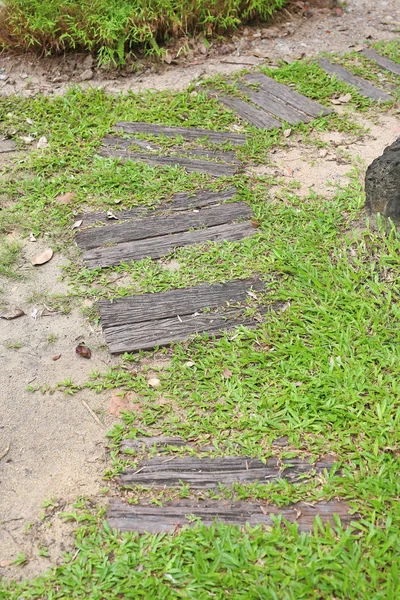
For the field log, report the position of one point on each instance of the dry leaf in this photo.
(5, 563)
(77, 224)
(154, 382)
(287, 132)
(42, 143)
(110, 215)
(28, 139)
(56, 357)
(83, 350)
(34, 313)
(346, 98)
(168, 58)
(298, 383)
(43, 258)
(118, 201)
(335, 101)
(252, 295)
(189, 363)
(65, 198)
(32, 238)
(226, 373)
(15, 314)
(29, 121)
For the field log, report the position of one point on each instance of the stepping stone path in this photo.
(145, 321)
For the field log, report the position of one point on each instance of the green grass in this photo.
(322, 370)
(114, 28)
(9, 255)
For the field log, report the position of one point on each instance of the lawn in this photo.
(323, 371)
(113, 28)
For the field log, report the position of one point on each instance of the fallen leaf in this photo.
(32, 238)
(65, 198)
(83, 350)
(189, 363)
(15, 314)
(298, 383)
(110, 215)
(29, 121)
(5, 563)
(168, 58)
(118, 201)
(28, 139)
(42, 143)
(252, 295)
(77, 224)
(226, 373)
(121, 400)
(34, 313)
(154, 382)
(255, 223)
(287, 132)
(346, 98)
(43, 258)
(56, 357)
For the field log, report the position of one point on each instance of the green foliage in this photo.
(115, 27)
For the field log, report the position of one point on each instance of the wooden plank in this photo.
(187, 133)
(162, 332)
(191, 165)
(162, 442)
(364, 87)
(161, 246)
(288, 96)
(152, 227)
(209, 473)
(150, 307)
(266, 101)
(382, 61)
(179, 202)
(173, 515)
(247, 112)
(111, 141)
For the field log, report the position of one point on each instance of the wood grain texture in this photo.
(187, 133)
(161, 246)
(187, 301)
(112, 141)
(266, 101)
(247, 112)
(148, 335)
(209, 473)
(170, 516)
(152, 227)
(179, 202)
(382, 61)
(208, 167)
(288, 96)
(161, 443)
(364, 87)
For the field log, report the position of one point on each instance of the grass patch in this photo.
(115, 28)
(9, 255)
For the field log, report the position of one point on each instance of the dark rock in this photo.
(382, 184)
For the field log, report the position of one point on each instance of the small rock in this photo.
(86, 75)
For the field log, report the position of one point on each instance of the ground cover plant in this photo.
(113, 28)
(322, 370)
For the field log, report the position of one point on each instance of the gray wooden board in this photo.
(247, 112)
(163, 245)
(150, 307)
(187, 133)
(162, 443)
(364, 87)
(162, 332)
(111, 141)
(382, 61)
(204, 166)
(207, 473)
(152, 227)
(172, 515)
(288, 96)
(7, 146)
(179, 202)
(266, 101)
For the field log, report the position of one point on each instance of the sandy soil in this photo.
(55, 447)
(293, 34)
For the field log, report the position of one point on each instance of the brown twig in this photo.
(95, 417)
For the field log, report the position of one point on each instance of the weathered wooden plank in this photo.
(160, 443)
(288, 96)
(364, 87)
(266, 101)
(148, 335)
(161, 246)
(179, 202)
(209, 473)
(152, 227)
(204, 166)
(247, 112)
(382, 61)
(112, 141)
(170, 516)
(150, 307)
(187, 133)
